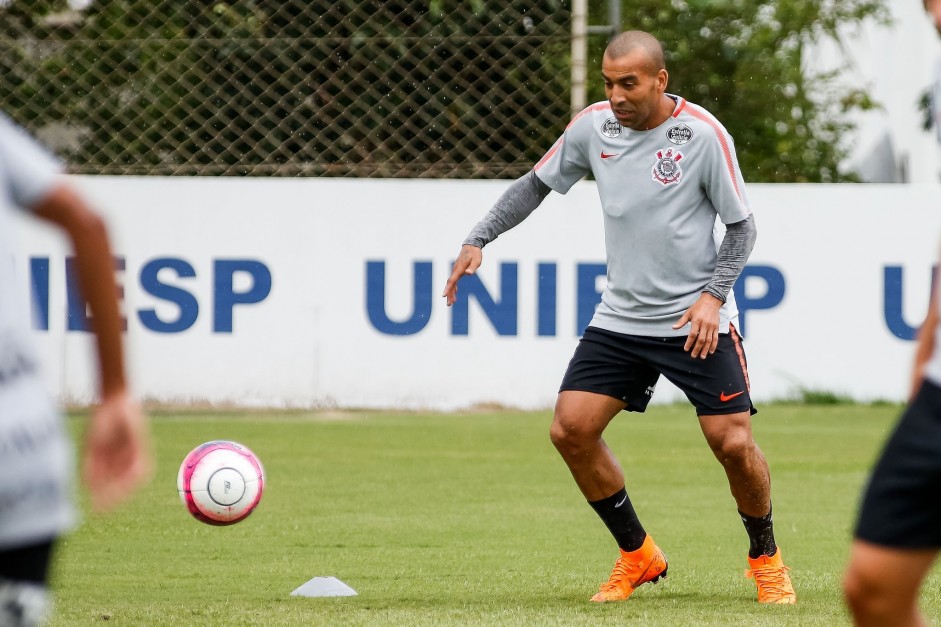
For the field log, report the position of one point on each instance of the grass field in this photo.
(470, 519)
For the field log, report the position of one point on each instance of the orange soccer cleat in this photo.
(648, 563)
(770, 575)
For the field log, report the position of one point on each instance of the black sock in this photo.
(760, 534)
(618, 514)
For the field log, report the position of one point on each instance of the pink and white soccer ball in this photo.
(221, 482)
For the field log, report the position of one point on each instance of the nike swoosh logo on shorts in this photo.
(605, 155)
(725, 398)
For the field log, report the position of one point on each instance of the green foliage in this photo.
(748, 63)
(811, 396)
(356, 87)
(924, 107)
(471, 519)
(403, 88)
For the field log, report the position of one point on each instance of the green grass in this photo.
(470, 519)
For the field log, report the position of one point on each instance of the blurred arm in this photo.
(116, 457)
(95, 266)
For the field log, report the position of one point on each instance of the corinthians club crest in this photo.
(667, 167)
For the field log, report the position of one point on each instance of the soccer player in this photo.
(898, 532)
(665, 169)
(35, 451)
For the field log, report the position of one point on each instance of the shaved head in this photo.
(635, 80)
(631, 40)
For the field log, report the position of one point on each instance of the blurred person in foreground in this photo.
(898, 531)
(666, 170)
(36, 459)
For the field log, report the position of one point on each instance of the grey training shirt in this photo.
(661, 191)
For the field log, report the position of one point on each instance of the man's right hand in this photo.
(467, 262)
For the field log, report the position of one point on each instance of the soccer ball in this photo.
(221, 482)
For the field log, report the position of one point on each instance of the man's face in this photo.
(634, 87)
(934, 10)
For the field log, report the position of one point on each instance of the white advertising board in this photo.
(327, 292)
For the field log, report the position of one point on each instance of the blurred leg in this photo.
(881, 584)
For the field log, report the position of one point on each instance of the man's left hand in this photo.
(703, 318)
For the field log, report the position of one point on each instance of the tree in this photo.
(748, 63)
(439, 88)
(326, 87)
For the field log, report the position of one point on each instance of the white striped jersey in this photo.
(36, 458)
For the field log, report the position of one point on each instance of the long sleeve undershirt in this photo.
(519, 200)
(526, 193)
(734, 250)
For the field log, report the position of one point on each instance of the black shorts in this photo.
(29, 563)
(627, 367)
(900, 506)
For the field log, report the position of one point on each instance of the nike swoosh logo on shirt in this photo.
(727, 397)
(605, 155)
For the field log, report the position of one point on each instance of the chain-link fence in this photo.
(439, 88)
